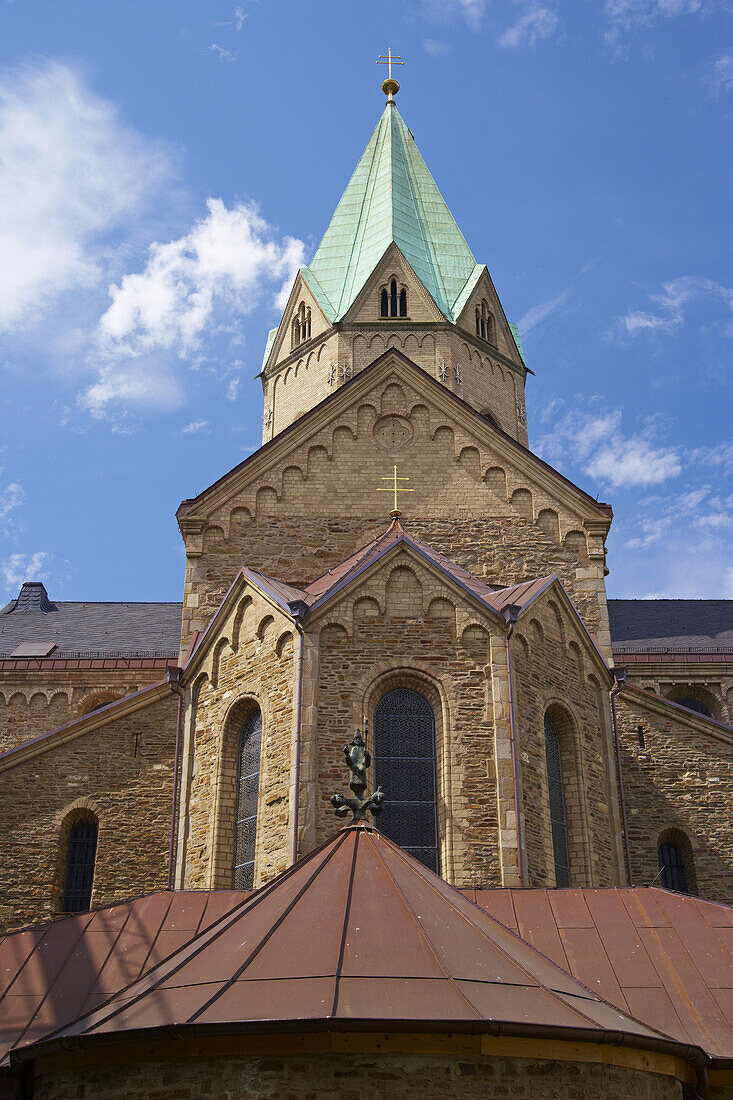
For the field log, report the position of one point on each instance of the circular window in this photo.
(392, 433)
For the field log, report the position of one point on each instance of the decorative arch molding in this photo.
(285, 638)
(331, 626)
(694, 696)
(223, 810)
(96, 699)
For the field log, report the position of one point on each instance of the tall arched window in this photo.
(672, 868)
(404, 767)
(80, 856)
(384, 304)
(248, 789)
(403, 303)
(694, 704)
(393, 298)
(558, 824)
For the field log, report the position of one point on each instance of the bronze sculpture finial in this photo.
(358, 759)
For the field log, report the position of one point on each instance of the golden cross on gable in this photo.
(395, 488)
(390, 87)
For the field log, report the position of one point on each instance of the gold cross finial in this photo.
(394, 488)
(390, 87)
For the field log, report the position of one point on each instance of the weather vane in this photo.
(358, 758)
(395, 488)
(390, 87)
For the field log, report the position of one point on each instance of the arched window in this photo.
(301, 329)
(80, 856)
(403, 303)
(558, 824)
(384, 304)
(478, 322)
(672, 868)
(694, 704)
(404, 767)
(393, 298)
(483, 320)
(248, 789)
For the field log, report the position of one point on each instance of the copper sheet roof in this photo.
(664, 957)
(388, 944)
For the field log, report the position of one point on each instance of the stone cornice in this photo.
(334, 405)
(667, 709)
(62, 735)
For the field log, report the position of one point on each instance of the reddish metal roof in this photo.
(666, 958)
(388, 943)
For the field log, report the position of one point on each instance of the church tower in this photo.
(394, 271)
(315, 602)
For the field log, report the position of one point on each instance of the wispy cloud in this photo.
(597, 444)
(222, 268)
(533, 25)
(672, 302)
(21, 567)
(434, 46)
(11, 498)
(195, 426)
(540, 312)
(720, 76)
(237, 21)
(472, 11)
(222, 54)
(627, 14)
(71, 173)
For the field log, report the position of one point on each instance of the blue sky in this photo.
(165, 166)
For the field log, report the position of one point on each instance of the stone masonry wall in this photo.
(680, 782)
(552, 673)
(320, 503)
(358, 1077)
(249, 665)
(122, 773)
(403, 628)
(36, 701)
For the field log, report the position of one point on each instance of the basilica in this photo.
(534, 894)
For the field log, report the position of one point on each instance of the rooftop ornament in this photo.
(358, 759)
(395, 489)
(390, 87)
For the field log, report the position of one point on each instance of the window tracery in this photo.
(248, 790)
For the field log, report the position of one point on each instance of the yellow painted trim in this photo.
(299, 1044)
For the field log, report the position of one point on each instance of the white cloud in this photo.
(672, 302)
(434, 46)
(24, 567)
(11, 498)
(195, 426)
(223, 267)
(473, 11)
(720, 77)
(228, 258)
(534, 25)
(540, 312)
(228, 56)
(233, 389)
(71, 172)
(627, 14)
(237, 20)
(598, 445)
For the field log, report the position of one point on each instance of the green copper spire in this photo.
(391, 197)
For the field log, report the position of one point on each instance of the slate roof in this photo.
(671, 625)
(391, 197)
(388, 943)
(88, 629)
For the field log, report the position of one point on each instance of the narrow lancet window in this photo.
(80, 858)
(393, 298)
(404, 767)
(384, 304)
(403, 303)
(248, 790)
(558, 825)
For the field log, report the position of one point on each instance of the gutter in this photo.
(297, 609)
(510, 615)
(174, 682)
(620, 675)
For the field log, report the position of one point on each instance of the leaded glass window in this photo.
(558, 823)
(672, 867)
(405, 769)
(248, 789)
(80, 856)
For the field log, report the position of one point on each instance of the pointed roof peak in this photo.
(392, 198)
